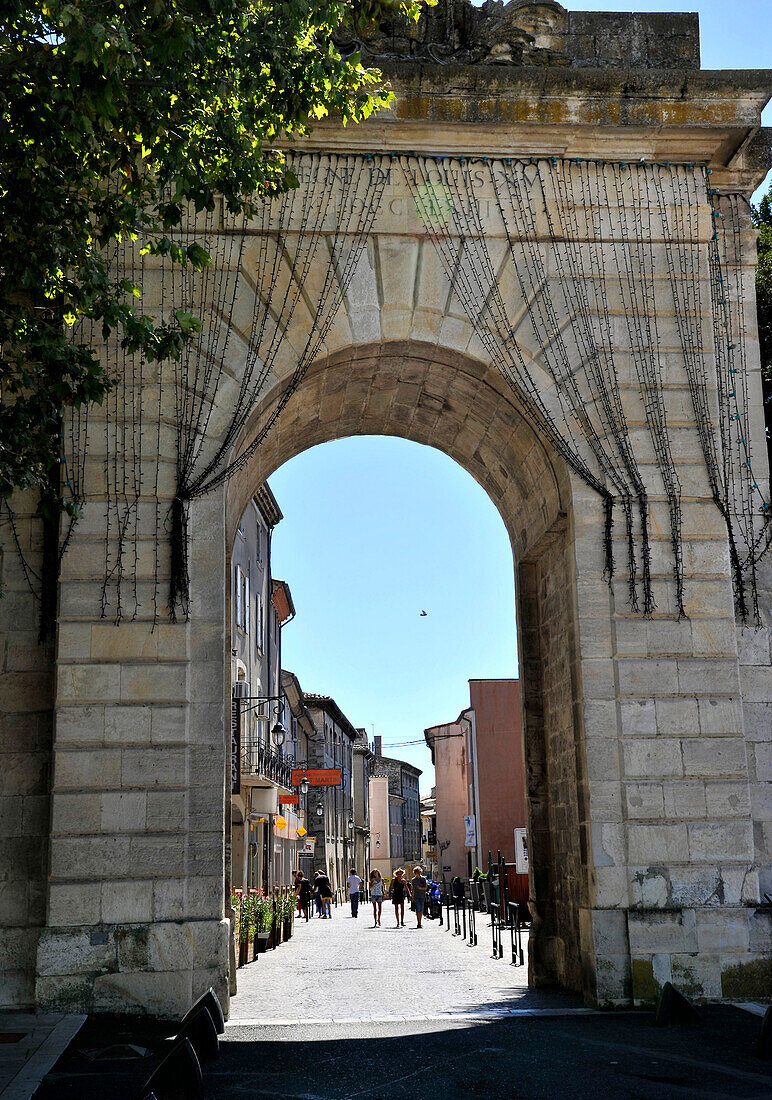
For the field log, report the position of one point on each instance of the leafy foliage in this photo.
(113, 114)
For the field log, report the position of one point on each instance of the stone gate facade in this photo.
(648, 742)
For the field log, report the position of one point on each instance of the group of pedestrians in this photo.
(400, 891)
(320, 890)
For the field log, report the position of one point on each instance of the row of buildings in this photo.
(478, 804)
(308, 789)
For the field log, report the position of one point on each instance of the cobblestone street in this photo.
(344, 970)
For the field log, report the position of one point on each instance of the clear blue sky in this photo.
(377, 530)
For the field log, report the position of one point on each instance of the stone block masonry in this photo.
(646, 741)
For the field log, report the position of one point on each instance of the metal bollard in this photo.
(463, 915)
(518, 958)
(472, 927)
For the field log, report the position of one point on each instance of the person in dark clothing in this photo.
(457, 891)
(324, 890)
(303, 891)
(399, 891)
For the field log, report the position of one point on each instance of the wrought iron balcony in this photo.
(262, 761)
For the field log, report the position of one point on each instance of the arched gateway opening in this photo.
(449, 400)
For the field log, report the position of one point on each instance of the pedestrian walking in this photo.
(325, 893)
(303, 890)
(354, 884)
(399, 891)
(420, 886)
(376, 896)
(317, 894)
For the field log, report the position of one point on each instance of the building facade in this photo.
(331, 808)
(429, 851)
(450, 754)
(480, 779)
(261, 851)
(360, 785)
(380, 831)
(404, 806)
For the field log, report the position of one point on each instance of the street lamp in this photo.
(320, 810)
(350, 824)
(304, 785)
(279, 734)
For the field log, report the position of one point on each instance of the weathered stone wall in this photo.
(134, 906)
(26, 721)
(542, 33)
(646, 741)
(555, 781)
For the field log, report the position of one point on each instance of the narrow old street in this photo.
(345, 971)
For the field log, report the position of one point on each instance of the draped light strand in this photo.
(574, 232)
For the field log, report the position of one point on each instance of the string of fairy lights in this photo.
(568, 297)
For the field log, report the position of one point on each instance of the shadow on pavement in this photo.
(615, 1055)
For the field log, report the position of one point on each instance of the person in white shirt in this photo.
(354, 883)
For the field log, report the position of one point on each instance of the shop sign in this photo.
(307, 846)
(281, 822)
(301, 831)
(317, 777)
(431, 853)
(235, 746)
(288, 799)
(521, 852)
(470, 831)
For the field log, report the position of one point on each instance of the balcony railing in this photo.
(262, 761)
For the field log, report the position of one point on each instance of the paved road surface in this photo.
(345, 970)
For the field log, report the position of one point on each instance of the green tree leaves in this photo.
(113, 115)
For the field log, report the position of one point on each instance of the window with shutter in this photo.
(239, 594)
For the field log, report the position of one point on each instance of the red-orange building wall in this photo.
(500, 767)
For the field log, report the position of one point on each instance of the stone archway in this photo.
(649, 773)
(437, 396)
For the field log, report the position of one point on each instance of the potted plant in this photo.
(264, 918)
(249, 923)
(288, 911)
(276, 918)
(236, 901)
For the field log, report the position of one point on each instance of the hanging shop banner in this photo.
(301, 831)
(521, 852)
(235, 746)
(281, 822)
(317, 777)
(288, 800)
(307, 846)
(470, 830)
